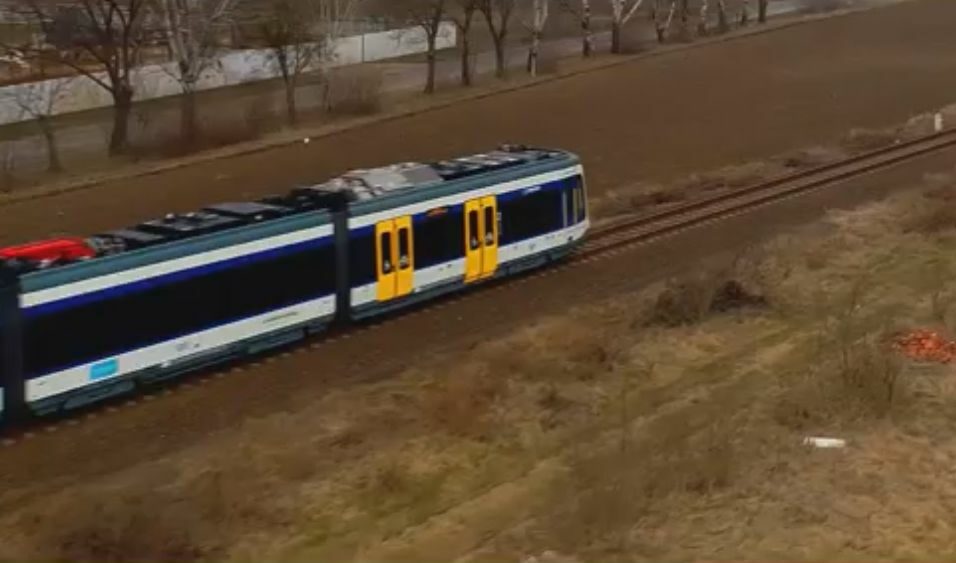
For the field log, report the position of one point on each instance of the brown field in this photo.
(650, 119)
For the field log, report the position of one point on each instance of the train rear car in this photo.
(164, 297)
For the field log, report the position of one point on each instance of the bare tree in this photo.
(539, 17)
(583, 15)
(292, 44)
(38, 101)
(428, 15)
(723, 25)
(702, 22)
(8, 166)
(498, 17)
(621, 12)
(662, 27)
(111, 33)
(463, 16)
(328, 25)
(762, 11)
(189, 27)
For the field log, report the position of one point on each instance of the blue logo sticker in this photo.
(103, 370)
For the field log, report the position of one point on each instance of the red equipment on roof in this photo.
(55, 249)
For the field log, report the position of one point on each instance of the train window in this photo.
(167, 310)
(566, 211)
(531, 215)
(473, 230)
(385, 246)
(580, 208)
(404, 260)
(489, 226)
(362, 260)
(437, 239)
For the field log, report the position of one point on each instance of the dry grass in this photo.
(862, 140)
(692, 299)
(169, 143)
(355, 92)
(674, 440)
(462, 404)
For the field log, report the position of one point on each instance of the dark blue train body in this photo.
(84, 319)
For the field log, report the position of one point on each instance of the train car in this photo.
(86, 319)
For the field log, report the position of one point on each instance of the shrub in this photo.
(354, 92)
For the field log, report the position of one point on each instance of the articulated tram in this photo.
(82, 319)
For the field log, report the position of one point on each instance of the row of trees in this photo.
(105, 40)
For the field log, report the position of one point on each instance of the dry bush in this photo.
(862, 140)
(854, 372)
(692, 299)
(213, 134)
(461, 404)
(822, 6)
(809, 158)
(394, 490)
(121, 528)
(931, 220)
(613, 489)
(548, 64)
(641, 201)
(354, 92)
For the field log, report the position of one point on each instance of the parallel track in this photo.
(638, 230)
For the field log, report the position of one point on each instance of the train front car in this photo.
(417, 231)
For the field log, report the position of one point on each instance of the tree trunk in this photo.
(533, 53)
(54, 164)
(292, 113)
(616, 37)
(587, 45)
(188, 117)
(430, 58)
(762, 11)
(723, 26)
(684, 23)
(744, 14)
(465, 29)
(501, 70)
(122, 106)
(465, 60)
(702, 23)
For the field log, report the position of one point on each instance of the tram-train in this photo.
(83, 319)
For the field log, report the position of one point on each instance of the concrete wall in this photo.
(67, 95)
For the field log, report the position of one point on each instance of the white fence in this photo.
(70, 95)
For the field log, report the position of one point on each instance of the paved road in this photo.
(84, 138)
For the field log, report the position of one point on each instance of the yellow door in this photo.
(489, 225)
(385, 259)
(473, 240)
(405, 252)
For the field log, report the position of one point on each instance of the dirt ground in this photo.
(664, 423)
(652, 119)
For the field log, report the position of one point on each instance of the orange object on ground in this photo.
(926, 345)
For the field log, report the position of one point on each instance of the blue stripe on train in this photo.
(173, 277)
(105, 366)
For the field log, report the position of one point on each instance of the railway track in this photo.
(658, 224)
(602, 242)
